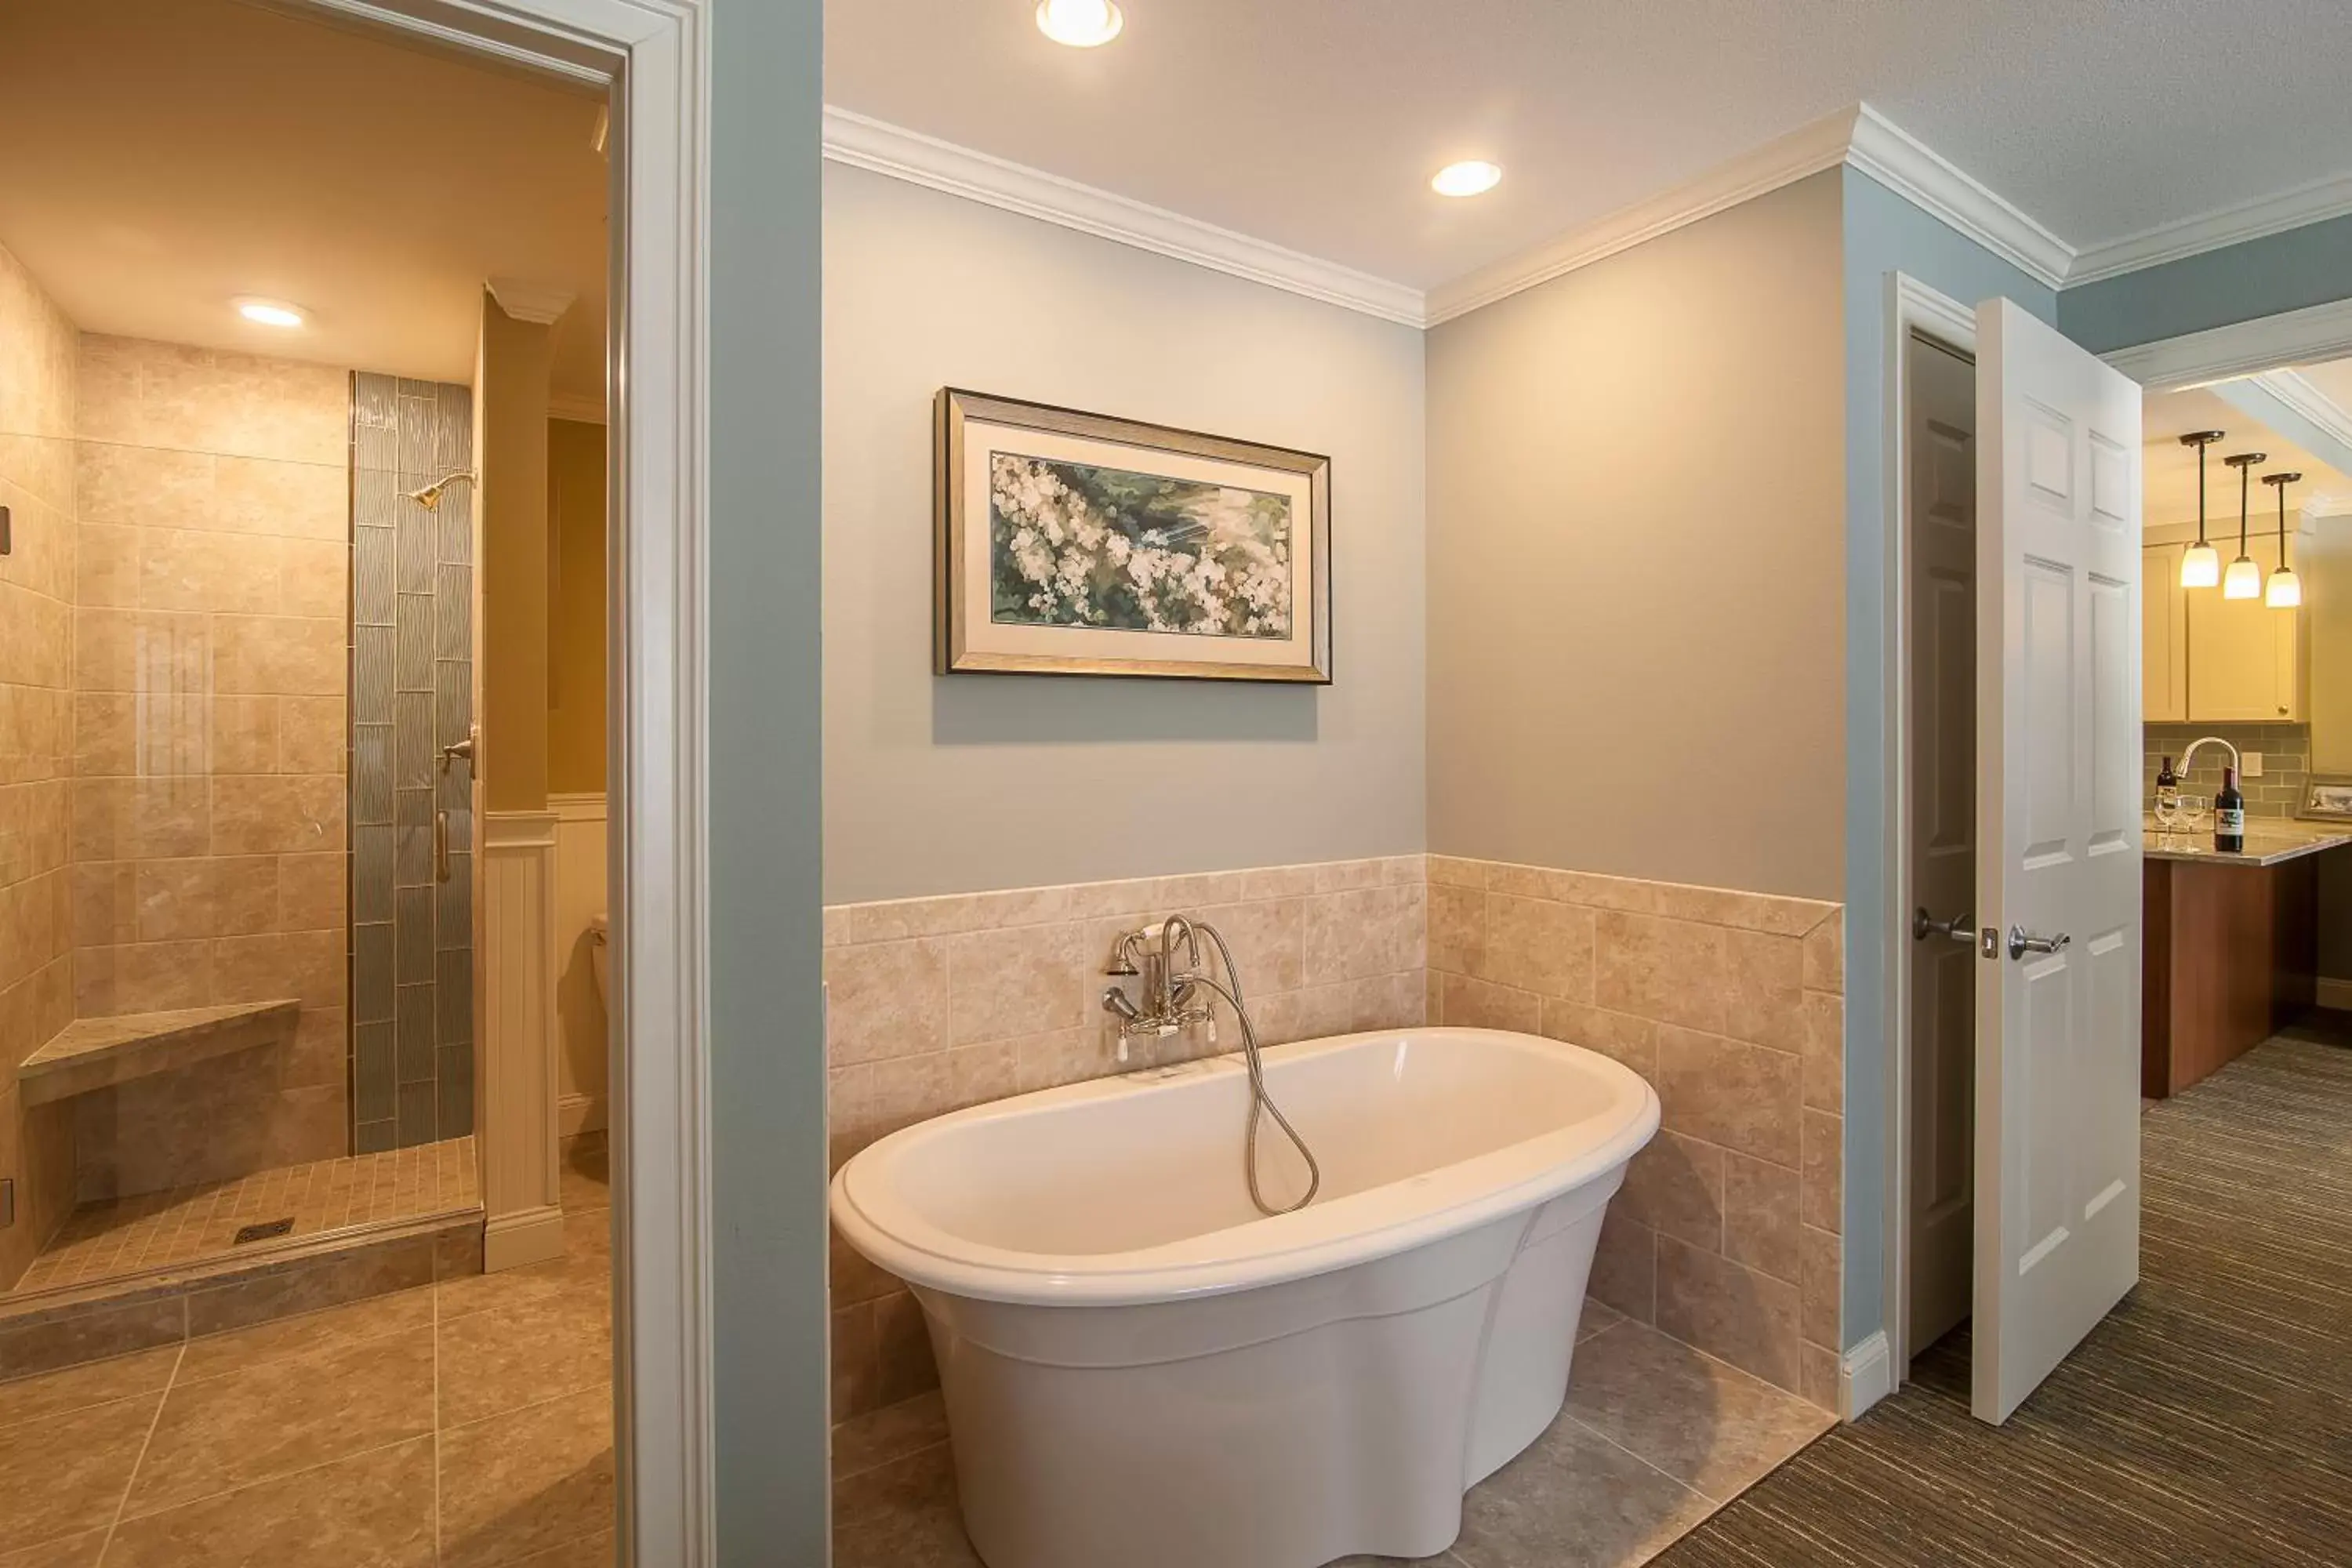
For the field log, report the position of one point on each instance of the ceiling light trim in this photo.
(1823, 144)
(1935, 184)
(884, 148)
(2217, 230)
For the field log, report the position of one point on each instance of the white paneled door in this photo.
(2058, 864)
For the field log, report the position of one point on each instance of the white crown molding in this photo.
(2297, 337)
(1929, 181)
(864, 143)
(1823, 144)
(539, 303)
(2323, 412)
(2256, 219)
(1859, 136)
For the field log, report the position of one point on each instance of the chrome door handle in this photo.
(1957, 927)
(461, 751)
(2019, 943)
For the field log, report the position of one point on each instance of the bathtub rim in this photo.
(1511, 1178)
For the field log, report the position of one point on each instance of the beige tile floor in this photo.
(467, 1424)
(1655, 1437)
(181, 1225)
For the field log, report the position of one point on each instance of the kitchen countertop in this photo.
(2270, 841)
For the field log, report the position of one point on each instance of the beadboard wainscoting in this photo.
(523, 1219)
(1725, 1236)
(582, 1043)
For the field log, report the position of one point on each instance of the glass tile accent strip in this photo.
(412, 693)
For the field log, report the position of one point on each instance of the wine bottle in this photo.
(2229, 815)
(2168, 792)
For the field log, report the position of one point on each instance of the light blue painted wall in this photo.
(2291, 271)
(1884, 234)
(766, 830)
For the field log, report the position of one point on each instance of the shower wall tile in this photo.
(40, 909)
(209, 744)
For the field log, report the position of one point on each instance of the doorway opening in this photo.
(302, 448)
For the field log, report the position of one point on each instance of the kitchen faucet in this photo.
(2210, 741)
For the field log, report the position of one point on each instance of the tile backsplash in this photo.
(2286, 763)
(1730, 1003)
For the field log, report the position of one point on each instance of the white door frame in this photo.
(653, 57)
(2243, 348)
(1911, 307)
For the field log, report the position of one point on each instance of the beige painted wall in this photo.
(512, 394)
(212, 638)
(1636, 552)
(575, 669)
(941, 784)
(37, 485)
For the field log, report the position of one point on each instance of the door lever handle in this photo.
(2020, 944)
(1957, 927)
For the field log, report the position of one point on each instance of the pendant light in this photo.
(2201, 566)
(2285, 590)
(2244, 579)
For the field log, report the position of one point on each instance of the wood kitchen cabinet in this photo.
(2229, 958)
(2163, 635)
(2245, 663)
(2209, 660)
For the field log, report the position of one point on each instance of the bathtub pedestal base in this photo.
(1281, 1427)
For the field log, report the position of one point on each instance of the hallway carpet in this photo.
(2208, 1421)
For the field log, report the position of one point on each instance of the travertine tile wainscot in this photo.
(1727, 1233)
(1725, 1236)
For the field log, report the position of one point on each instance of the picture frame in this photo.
(1075, 544)
(2328, 797)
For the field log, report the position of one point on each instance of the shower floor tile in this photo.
(187, 1225)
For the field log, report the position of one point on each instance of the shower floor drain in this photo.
(261, 1232)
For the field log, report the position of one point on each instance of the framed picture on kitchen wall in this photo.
(1070, 543)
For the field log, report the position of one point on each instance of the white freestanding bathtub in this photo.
(1141, 1370)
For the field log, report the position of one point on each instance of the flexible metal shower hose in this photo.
(1261, 1102)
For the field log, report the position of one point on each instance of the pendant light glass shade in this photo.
(2284, 591)
(2244, 579)
(2200, 567)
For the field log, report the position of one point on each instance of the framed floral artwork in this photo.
(1076, 543)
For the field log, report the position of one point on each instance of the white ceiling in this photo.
(1315, 123)
(2169, 493)
(165, 156)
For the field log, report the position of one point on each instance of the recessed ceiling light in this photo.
(269, 312)
(1081, 24)
(1466, 179)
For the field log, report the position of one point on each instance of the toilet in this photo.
(600, 955)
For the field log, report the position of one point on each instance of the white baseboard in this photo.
(1867, 1377)
(2336, 994)
(529, 1236)
(578, 1113)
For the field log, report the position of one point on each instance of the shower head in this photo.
(429, 496)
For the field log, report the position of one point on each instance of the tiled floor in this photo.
(1655, 1437)
(181, 1225)
(467, 1424)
